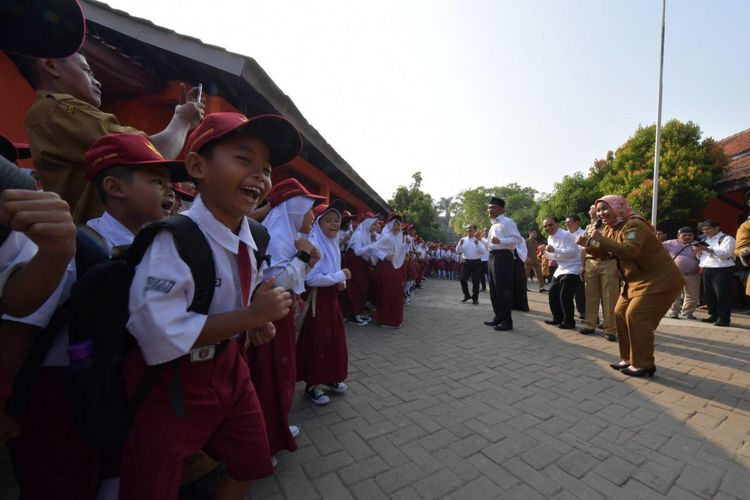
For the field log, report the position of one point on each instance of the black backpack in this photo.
(98, 312)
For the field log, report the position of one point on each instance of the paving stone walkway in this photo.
(448, 408)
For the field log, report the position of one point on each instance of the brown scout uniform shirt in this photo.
(645, 266)
(743, 241)
(61, 128)
(531, 248)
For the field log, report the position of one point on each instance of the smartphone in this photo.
(200, 93)
(700, 243)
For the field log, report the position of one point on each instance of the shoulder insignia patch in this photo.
(162, 285)
(630, 235)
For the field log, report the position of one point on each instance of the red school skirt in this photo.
(357, 288)
(390, 301)
(273, 371)
(322, 356)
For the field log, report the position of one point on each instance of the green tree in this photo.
(520, 204)
(689, 167)
(573, 195)
(418, 208)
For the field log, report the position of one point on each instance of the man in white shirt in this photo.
(573, 225)
(471, 248)
(503, 238)
(562, 247)
(716, 254)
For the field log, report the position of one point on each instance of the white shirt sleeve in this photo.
(725, 249)
(160, 294)
(42, 316)
(328, 279)
(16, 250)
(293, 274)
(565, 247)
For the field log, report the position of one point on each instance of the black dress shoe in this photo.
(643, 372)
(567, 326)
(503, 327)
(721, 323)
(587, 331)
(475, 302)
(491, 323)
(466, 299)
(610, 337)
(618, 366)
(710, 319)
(551, 322)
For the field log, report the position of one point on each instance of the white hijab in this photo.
(391, 244)
(283, 223)
(330, 254)
(361, 235)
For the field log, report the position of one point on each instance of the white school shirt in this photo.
(112, 231)
(163, 288)
(470, 248)
(522, 251)
(723, 255)
(566, 253)
(505, 230)
(16, 250)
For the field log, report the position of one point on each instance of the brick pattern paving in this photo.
(448, 408)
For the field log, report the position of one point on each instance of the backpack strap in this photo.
(193, 248)
(261, 238)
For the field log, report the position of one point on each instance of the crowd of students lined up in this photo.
(151, 331)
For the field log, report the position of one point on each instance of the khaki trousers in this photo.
(537, 267)
(687, 301)
(637, 318)
(602, 286)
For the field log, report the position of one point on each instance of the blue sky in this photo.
(485, 92)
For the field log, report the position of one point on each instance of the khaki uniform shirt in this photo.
(531, 247)
(645, 266)
(61, 128)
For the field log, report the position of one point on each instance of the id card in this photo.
(202, 354)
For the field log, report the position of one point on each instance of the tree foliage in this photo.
(520, 204)
(418, 208)
(689, 167)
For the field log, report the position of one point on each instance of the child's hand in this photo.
(347, 273)
(262, 335)
(43, 216)
(269, 302)
(314, 257)
(341, 286)
(303, 245)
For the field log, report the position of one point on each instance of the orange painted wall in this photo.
(727, 216)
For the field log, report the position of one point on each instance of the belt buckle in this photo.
(202, 354)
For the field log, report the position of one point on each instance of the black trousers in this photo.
(717, 291)
(501, 285)
(485, 272)
(580, 298)
(561, 298)
(473, 269)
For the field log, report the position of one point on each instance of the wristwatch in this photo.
(303, 256)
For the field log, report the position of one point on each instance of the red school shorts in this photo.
(222, 417)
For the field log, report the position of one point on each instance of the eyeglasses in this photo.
(549, 225)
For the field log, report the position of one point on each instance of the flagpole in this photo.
(657, 146)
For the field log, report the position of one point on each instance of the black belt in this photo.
(501, 250)
(472, 260)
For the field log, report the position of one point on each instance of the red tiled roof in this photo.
(736, 144)
(738, 170)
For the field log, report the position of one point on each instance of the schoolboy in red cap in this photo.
(49, 458)
(230, 158)
(292, 255)
(322, 357)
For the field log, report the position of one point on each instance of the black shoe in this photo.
(586, 331)
(581, 315)
(503, 327)
(491, 323)
(610, 337)
(475, 302)
(710, 319)
(542, 290)
(466, 299)
(721, 323)
(551, 322)
(643, 372)
(618, 366)
(567, 326)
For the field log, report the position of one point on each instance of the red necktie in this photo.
(246, 280)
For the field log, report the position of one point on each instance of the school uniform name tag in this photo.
(202, 354)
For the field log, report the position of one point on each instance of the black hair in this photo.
(554, 219)
(29, 67)
(574, 217)
(122, 172)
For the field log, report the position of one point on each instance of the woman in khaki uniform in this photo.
(652, 280)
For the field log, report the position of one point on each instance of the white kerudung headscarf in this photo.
(330, 254)
(283, 223)
(390, 244)
(361, 235)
